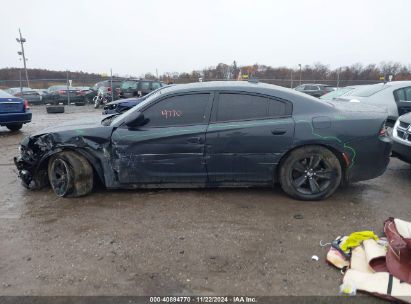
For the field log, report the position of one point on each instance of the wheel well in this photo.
(337, 153)
(96, 171)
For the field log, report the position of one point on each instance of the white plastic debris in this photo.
(315, 258)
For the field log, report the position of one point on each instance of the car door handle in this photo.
(278, 131)
(194, 140)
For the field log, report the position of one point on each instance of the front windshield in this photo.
(148, 98)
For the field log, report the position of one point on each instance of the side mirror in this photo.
(135, 119)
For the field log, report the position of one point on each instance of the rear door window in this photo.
(155, 85)
(144, 85)
(241, 107)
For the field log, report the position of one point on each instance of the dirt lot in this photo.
(204, 242)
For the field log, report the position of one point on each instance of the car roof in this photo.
(134, 79)
(317, 84)
(240, 86)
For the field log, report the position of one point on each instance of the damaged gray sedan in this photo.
(213, 134)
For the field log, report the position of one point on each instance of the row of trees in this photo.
(285, 76)
(348, 75)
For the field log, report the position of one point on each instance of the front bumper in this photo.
(24, 173)
(401, 151)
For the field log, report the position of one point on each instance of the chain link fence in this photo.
(89, 82)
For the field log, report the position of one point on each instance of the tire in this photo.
(310, 173)
(55, 109)
(70, 174)
(14, 127)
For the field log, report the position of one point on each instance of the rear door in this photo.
(246, 137)
(170, 147)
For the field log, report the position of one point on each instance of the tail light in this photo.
(26, 104)
(384, 131)
(109, 89)
(62, 92)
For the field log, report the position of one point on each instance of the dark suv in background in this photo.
(315, 90)
(138, 87)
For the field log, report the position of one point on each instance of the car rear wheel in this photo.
(14, 127)
(310, 173)
(70, 174)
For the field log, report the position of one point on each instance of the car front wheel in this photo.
(70, 174)
(310, 173)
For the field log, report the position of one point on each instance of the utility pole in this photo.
(291, 86)
(300, 72)
(21, 84)
(22, 40)
(68, 89)
(338, 77)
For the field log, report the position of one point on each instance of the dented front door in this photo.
(169, 148)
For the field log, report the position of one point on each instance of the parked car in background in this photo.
(333, 95)
(59, 94)
(32, 96)
(123, 105)
(402, 138)
(138, 87)
(13, 91)
(393, 96)
(42, 92)
(84, 93)
(315, 90)
(213, 134)
(14, 111)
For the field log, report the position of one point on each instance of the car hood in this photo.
(76, 126)
(128, 100)
(406, 118)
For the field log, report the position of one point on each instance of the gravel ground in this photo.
(178, 242)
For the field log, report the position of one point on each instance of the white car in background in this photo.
(394, 96)
(344, 91)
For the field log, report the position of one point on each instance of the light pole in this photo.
(338, 77)
(300, 72)
(22, 40)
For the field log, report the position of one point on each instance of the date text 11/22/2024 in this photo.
(203, 299)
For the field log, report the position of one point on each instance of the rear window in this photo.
(5, 94)
(371, 90)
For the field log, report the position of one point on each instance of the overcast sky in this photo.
(134, 37)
